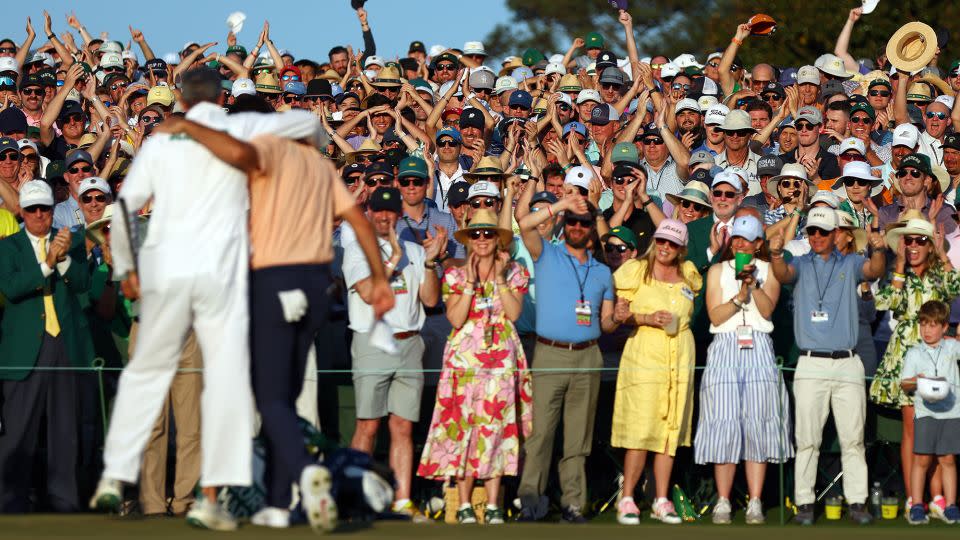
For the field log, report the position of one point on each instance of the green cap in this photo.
(864, 107)
(918, 161)
(692, 71)
(33, 132)
(396, 65)
(239, 49)
(625, 152)
(880, 82)
(531, 56)
(593, 40)
(55, 169)
(412, 166)
(625, 234)
(955, 65)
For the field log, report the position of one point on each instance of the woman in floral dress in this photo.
(484, 398)
(922, 272)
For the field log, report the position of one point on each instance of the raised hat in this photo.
(912, 46)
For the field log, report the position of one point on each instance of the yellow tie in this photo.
(52, 323)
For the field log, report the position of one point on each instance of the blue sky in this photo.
(307, 29)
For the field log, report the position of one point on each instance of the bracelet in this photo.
(646, 203)
(566, 167)
(736, 303)
(469, 291)
(51, 37)
(388, 264)
(901, 277)
(431, 265)
(550, 211)
(737, 41)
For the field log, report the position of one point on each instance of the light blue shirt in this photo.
(829, 287)
(67, 215)
(415, 231)
(938, 361)
(562, 275)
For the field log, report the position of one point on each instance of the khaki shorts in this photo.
(387, 383)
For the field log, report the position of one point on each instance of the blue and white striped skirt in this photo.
(744, 408)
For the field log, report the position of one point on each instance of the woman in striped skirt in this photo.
(744, 409)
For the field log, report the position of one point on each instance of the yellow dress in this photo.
(653, 406)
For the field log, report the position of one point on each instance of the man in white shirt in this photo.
(449, 167)
(390, 384)
(199, 215)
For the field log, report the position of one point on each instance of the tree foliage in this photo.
(805, 29)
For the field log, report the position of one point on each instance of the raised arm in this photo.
(843, 40)
(74, 23)
(900, 98)
(627, 21)
(141, 42)
(572, 200)
(369, 45)
(24, 48)
(727, 82)
(574, 46)
(185, 64)
(65, 58)
(52, 110)
(875, 266)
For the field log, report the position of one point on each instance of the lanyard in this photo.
(580, 284)
(663, 169)
(414, 230)
(816, 279)
(936, 361)
(443, 194)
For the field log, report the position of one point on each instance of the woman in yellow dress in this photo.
(653, 406)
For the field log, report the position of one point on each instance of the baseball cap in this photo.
(521, 73)
(918, 161)
(9, 64)
(483, 79)
(76, 156)
(706, 101)
(808, 75)
(94, 183)
(716, 115)
(386, 198)
(412, 166)
(810, 114)
(243, 87)
(952, 141)
(603, 114)
(672, 230)
(472, 117)
(578, 176)
(521, 98)
(474, 47)
(458, 193)
(30, 80)
(702, 156)
(737, 120)
(747, 227)
(625, 152)
(605, 60)
(417, 46)
(625, 234)
(588, 94)
(669, 70)
(729, 178)
(36, 193)
(531, 56)
(613, 75)
(574, 126)
(593, 40)
(111, 60)
(863, 107)
(70, 108)
(826, 197)
(483, 188)
(503, 84)
(852, 143)
(450, 132)
(624, 169)
(543, 196)
(296, 88)
(161, 95)
(906, 135)
(774, 88)
(821, 218)
(769, 166)
(9, 143)
(686, 104)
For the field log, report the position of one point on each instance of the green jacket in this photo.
(22, 327)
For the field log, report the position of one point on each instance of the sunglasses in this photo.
(75, 170)
(351, 180)
(290, 78)
(805, 126)
(487, 234)
(8, 50)
(477, 203)
(713, 64)
(912, 172)
(32, 91)
(740, 133)
(37, 208)
(31, 157)
(652, 141)
(916, 240)
(354, 86)
(314, 99)
(665, 242)
(881, 93)
(679, 86)
(817, 231)
(87, 199)
(9, 156)
(656, 66)
(771, 97)
(865, 120)
(851, 157)
(291, 99)
(789, 184)
(59, 83)
(149, 119)
(616, 248)
(374, 181)
(519, 108)
(572, 221)
(860, 182)
(113, 69)
(939, 114)
(448, 144)
(621, 180)
(445, 67)
(688, 204)
(610, 86)
(724, 194)
(416, 182)
(563, 107)
(118, 86)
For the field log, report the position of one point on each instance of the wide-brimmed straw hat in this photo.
(912, 47)
(845, 222)
(487, 167)
(695, 191)
(915, 226)
(484, 219)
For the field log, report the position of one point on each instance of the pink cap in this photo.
(673, 230)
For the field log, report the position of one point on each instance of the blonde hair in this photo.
(650, 257)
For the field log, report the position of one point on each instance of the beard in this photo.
(578, 243)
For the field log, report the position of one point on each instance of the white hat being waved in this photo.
(716, 115)
(483, 188)
(35, 193)
(94, 183)
(579, 176)
(852, 143)
(821, 218)
(789, 170)
(913, 227)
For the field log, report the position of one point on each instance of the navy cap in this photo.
(156, 64)
(458, 193)
(76, 156)
(30, 80)
(12, 120)
(769, 165)
(543, 196)
(354, 168)
(450, 132)
(69, 108)
(320, 87)
(603, 114)
(472, 117)
(623, 170)
(605, 60)
(650, 130)
(8, 143)
(702, 175)
(521, 98)
(386, 198)
(379, 168)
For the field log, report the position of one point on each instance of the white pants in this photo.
(217, 309)
(822, 385)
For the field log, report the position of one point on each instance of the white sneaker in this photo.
(376, 491)
(205, 514)
(315, 497)
(627, 512)
(721, 512)
(664, 512)
(936, 507)
(755, 515)
(108, 496)
(273, 517)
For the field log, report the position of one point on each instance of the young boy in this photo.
(936, 421)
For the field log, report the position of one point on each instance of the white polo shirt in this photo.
(407, 313)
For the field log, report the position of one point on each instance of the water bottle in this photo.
(876, 495)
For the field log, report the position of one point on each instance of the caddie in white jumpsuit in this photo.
(193, 273)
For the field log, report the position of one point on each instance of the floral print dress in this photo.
(485, 395)
(904, 304)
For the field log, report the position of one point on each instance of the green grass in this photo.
(93, 526)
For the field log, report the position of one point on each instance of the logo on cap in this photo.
(386, 196)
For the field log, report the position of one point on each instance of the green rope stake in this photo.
(98, 364)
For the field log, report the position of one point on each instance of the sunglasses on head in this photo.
(416, 182)
(450, 143)
(817, 231)
(915, 240)
(488, 202)
(32, 91)
(9, 156)
(87, 199)
(38, 208)
(881, 93)
(864, 119)
(939, 114)
(724, 194)
(902, 173)
(291, 99)
(75, 170)
(616, 248)
(652, 141)
(445, 67)
(859, 182)
(374, 181)
(487, 234)
(805, 126)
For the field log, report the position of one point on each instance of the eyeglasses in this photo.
(616, 248)
(478, 203)
(87, 199)
(939, 114)
(665, 242)
(572, 221)
(817, 231)
(32, 91)
(445, 67)
(487, 234)
(448, 144)
(374, 181)
(805, 126)
(679, 86)
(652, 141)
(9, 156)
(149, 119)
(739, 133)
(865, 120)
(915, 240)
(881, 93)
(291, 99)
(902, 173)
(859, 182)
(416, 182)
(724, 194)
(771, 97)
(790, 184)
(75, 170)
(37, 209)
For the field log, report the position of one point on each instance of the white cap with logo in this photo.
(35, 193)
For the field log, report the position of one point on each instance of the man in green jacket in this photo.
(42, 272)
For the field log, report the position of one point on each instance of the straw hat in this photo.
(368, 146)
(845, 221)
(388, 77)
(487, 167)
(484, 219)
(902, 219)
(95, 231)
(912, 46)
(268, 83)
(920, 227)
(330, 75)
(695, 191)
